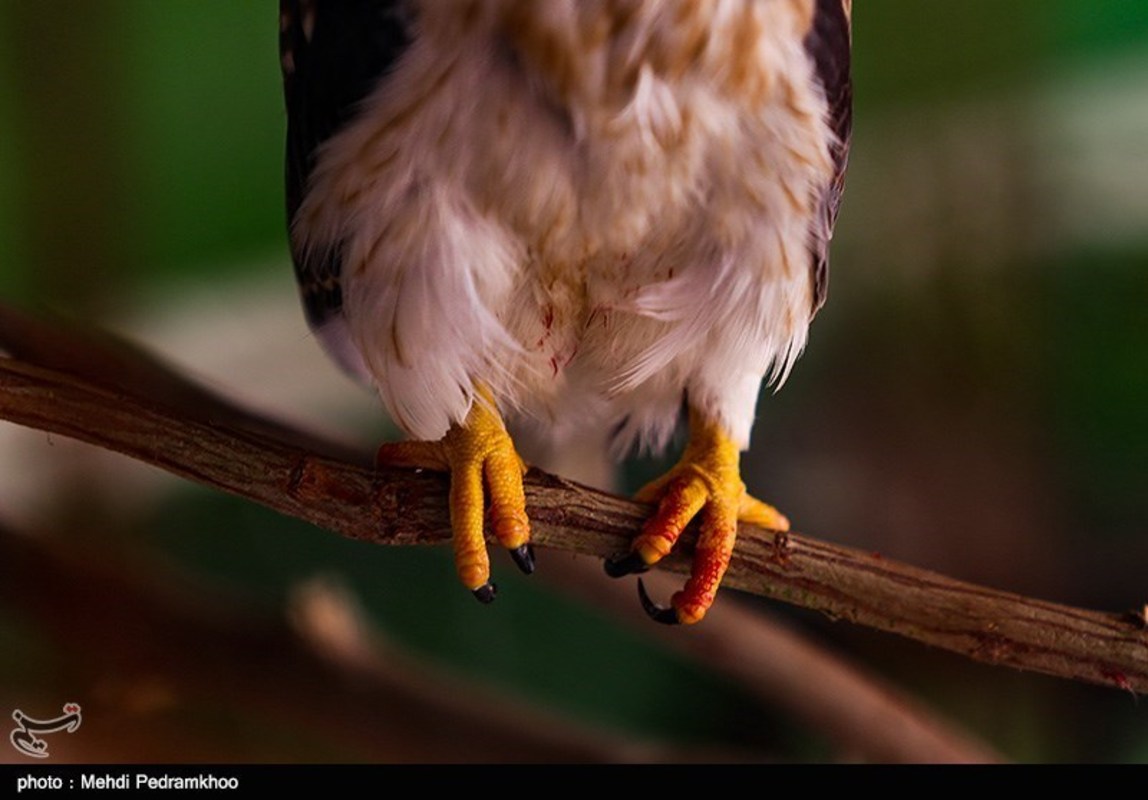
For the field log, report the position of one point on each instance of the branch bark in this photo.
(217, 447)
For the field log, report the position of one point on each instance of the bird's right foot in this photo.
(483, 465)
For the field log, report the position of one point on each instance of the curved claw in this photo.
(524, 557)
(485, 593)
(662, 614)
(631, 564)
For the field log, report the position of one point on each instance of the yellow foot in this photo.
(706, 482)
(477, 452)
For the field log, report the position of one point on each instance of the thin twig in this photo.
(403, 508)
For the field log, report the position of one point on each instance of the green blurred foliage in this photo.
(12, 278)
(911, 58)
(146, 138)
(204, 114)
(1099, 391)
(1098, 28)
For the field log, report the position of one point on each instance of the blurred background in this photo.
(973, 400)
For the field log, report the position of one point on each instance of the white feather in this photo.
(585, 226)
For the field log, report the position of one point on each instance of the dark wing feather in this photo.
(333, 53)
(829, 44)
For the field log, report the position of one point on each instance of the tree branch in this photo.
(212, 443)
(864, 717)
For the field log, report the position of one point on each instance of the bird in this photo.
(594, 215)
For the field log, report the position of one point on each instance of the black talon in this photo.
(631, 564)
(666, 616)
(485, 593)
(524, 557)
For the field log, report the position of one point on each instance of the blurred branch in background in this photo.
(339, 692)
(863, 719)
(101, 395)
(328, 690)
(334, 685)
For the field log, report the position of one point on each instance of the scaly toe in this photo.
(755, 512)
(704, 485)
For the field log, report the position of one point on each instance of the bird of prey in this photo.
(586, 213)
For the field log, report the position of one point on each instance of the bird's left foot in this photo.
(706, 482)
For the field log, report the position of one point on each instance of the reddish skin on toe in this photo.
(706, 481)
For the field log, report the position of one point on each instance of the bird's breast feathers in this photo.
(588, 207)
